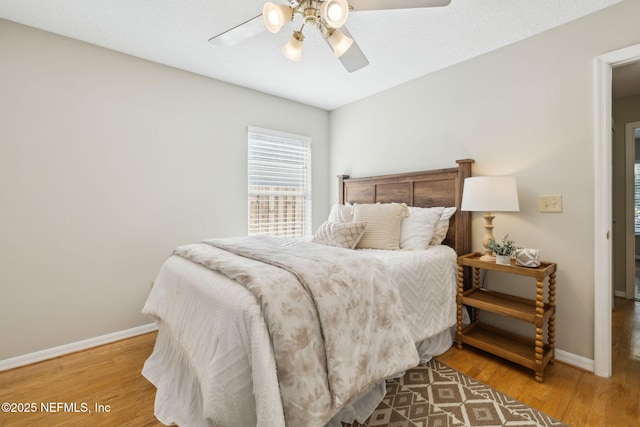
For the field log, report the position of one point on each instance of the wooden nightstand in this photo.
(533, 354)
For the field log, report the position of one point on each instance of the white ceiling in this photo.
(401, 45)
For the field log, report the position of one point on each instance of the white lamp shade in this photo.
(490, 194)
(334, 12)
(339, 43)
(293, 49)
(275, 16)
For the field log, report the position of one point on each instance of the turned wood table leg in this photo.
(552, 319)
(476, 284)
(459, 314)
(539, 323)
(476, 277)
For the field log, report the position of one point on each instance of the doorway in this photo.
(603, 295)
(632, 209)
(626, 178)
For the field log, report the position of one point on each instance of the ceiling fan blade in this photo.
(359, 5)
(353, 59)
(240, 32)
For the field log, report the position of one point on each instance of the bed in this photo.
(231, 352)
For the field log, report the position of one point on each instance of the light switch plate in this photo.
(551, 203)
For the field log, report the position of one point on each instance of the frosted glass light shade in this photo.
(334, 13)
(293, 49)
(275, 16)
(490, 194)
(339, 43)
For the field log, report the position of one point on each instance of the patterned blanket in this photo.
(334, 316)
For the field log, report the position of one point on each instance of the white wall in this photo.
(525, 110)
(108, 162)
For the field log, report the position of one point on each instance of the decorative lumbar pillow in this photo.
(383, 224)
(442, 226)
(527, 257)
(341, 234)
(416, 230)
(341, 213)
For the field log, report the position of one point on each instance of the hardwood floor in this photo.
(570, 395)
(110, 375)
(106, 375)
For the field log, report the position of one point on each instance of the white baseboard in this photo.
(575, 360)
(620, 294)
(50, 353)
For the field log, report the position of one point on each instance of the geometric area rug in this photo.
(436, 395)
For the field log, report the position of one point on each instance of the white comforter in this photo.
(222, 333)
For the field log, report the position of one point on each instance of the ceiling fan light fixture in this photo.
(293, 49)
(328, 16)
(339, 42)
(275, 16)
(334, 12)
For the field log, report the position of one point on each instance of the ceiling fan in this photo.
(328, 16)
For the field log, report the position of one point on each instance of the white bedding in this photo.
(427, 281)
(213, 363)
(206, 315)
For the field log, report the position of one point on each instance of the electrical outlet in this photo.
(550, 203)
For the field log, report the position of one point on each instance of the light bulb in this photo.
(334, 13)
(275, 16)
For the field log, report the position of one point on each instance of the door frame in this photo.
(603, 294)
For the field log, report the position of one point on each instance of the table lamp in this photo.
(489, 194)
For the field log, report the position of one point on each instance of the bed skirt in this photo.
(179, 398)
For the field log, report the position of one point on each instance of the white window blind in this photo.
(279, 176)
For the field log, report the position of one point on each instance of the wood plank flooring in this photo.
(110, 375)
(570, 395)
(105, 375)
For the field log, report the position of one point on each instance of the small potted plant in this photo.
(503, 251)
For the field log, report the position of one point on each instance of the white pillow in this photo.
(343, 235)
(341, 213)
(383, 224)
(442, 226)
(416, 230)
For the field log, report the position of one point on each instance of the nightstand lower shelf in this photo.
(507, 345)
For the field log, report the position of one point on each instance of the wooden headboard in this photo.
(439, 187)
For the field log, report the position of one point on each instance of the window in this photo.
(279, 183)
(636, 204)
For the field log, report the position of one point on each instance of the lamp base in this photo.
(488, 258)
(488, 255)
